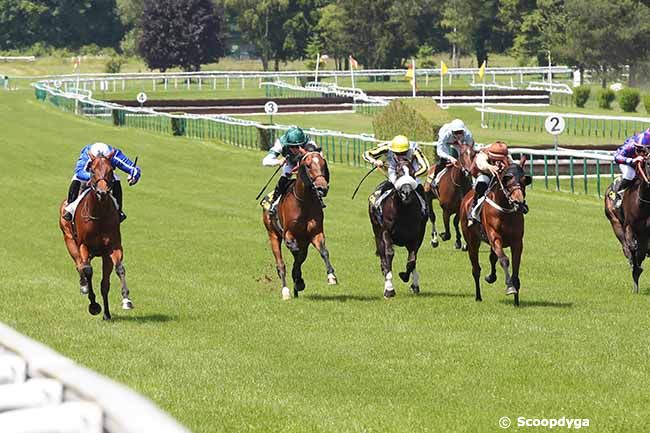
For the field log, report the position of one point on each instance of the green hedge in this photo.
(418, 119)
(646, 103)
(605, 98)
(628, 99)
(581, 95)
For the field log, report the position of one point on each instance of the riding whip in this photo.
(364, 178)
(269, 181)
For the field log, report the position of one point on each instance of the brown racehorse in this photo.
(300, 216)
(96, 233)
(402, 221)
(631, 223)
(452, 187)
(502, 226)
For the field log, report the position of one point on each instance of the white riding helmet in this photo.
(98, 149)
(457, 125)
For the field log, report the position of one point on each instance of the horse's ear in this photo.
(527, 180)
(522, 161)
(110, 155)
(91, 156)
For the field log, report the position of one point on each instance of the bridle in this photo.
(507, 192)
(310, 181)
(94, 181)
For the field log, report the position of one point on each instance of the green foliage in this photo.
(425, 57)
(475, 35)
(114, 65)
(418, 119)
(581, 95)
(646, 103)
(314, 48)
(605, 98)
(191, 30)
(628, 99)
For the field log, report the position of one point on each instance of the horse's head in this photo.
(466, 156)
(101, 174)
(643, 169)
(314, 173)
(405, 184)
(514, 181)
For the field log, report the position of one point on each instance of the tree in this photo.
(184, 33)
(130, 12)
(334, 32)
(473, 23)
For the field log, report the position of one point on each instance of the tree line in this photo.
(599, 35)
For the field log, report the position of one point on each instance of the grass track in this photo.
(210, 341)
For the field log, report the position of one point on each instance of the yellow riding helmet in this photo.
(399, 144)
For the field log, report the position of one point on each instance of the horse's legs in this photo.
(505, 264)
(276, 247)
(387, 265)
(107, 268)
(299, 257)
(117, 256)
(446, 214)
(432, 218)
(631, 250)
(472, 249)
(493, 269)
(318, 242)
(86, 278)
(516, 250)
(459, 242)
(410, 270)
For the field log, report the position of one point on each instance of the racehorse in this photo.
(453, 184)
(401, 220)
(502, 226)
(96, 233)
(631, 223)
(300, 221)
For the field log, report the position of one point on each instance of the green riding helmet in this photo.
(294, 137)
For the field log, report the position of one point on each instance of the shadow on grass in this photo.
(445, 295)
(343, 298)
(538, 304)
(147, 318)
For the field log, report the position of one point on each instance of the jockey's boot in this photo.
(280, 188)
(622, 186)
(117, 193)
(479, 191)
(73, 192)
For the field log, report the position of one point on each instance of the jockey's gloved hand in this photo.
(135, 176)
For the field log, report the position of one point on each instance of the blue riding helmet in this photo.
(644, 139)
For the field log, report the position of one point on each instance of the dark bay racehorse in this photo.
(631, 223)
(401, 221)
(502, 226)
(452, 187)
(300, 217)
(96, 233)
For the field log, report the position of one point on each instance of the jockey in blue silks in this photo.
(82, 175)
(633, 151)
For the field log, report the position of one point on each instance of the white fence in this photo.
(44, 392)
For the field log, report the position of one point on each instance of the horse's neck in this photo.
(497, 195)
(301, 191)
(97, 207)
(644, 192)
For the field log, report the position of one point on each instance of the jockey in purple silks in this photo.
(82, 176)
(633, 151)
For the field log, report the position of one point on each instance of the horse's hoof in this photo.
(404, 276)
(434, 243)
(511, 290)
(331, 279)
(286, 294)
(415, 289)
(491, 278)
(106, 317)
(127, 304)
(94, 309)
(445, 236)
(479, 299)
(389, 294)
(457, 245)
(464, 247)
(300, 286)
(84, 290)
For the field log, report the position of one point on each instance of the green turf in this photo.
(211, 342)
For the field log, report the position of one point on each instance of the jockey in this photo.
(399, 147)
(82, 175)
(450, 136)
(291, 146)
(489, 162)
(633, 151)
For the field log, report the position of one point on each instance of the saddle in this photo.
(383, 190)
(268, 200)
